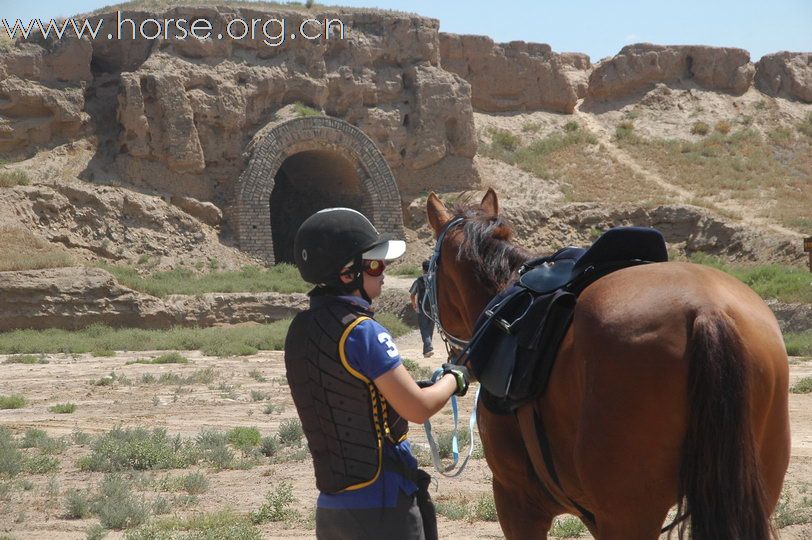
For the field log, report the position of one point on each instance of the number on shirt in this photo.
(386, 339)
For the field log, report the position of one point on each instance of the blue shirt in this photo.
(370, 349)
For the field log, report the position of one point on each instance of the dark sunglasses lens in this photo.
(374, 268)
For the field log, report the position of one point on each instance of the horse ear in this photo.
(437, 213)
(490, 204)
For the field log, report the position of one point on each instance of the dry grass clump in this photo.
(22, 250)
(723, 127)
(13, 178)
(700, 128)
(573, 156)
(768, 174)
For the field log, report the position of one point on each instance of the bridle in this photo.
(452, 343)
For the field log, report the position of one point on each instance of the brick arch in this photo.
(380, 195)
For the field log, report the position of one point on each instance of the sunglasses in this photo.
(374, 268)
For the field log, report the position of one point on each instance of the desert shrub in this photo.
(408, 270)
(160, 505)
(452, 508)
(63, 408)
(11, 460)
(219, 525)
(444, 440)
(213, 447)
(723, 127)
(485, 508)
(780, 134)
(81, 438)
(258, 395)
(96, 532)
(270, 408)
(567, 527)
(291, 432)
(395, 326)
(785, 283)
(116, 506)
(261, 337)
(14, 401)
(417, 371)
(102, 353)
(25, 359)
(41, 464)
(798, 343)
(504, 140)
(276, 506)
(278, 278)
(257, 375)
(270, 446)
(700, 128)
(571, 126)
(303, 110)
(624, 130)
(805, 126)
(77, 505)
(13, 178)
(122, 449)
(169, 358)
(531, 127)
(37, 438)
(194, 483)
(803, 386)
(790, 510)
(244, 438)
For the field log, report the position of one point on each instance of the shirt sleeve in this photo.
(415, 286)
(370, 349)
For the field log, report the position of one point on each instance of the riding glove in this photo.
(461, 374)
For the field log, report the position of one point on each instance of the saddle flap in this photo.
(496, 376)
(548, 276)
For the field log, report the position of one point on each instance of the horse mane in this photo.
(487, 244)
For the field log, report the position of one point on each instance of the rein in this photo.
(456, 348)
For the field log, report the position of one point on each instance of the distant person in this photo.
(351, 390)
(419, 303)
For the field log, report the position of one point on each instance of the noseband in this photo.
(452, 343)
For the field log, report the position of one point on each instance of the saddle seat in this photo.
(516, 338)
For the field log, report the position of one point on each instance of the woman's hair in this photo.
(426, 265)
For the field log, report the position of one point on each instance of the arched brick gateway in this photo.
(302, 165)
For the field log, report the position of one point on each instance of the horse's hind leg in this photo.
(521, 516)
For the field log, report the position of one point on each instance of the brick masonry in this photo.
(381, 197)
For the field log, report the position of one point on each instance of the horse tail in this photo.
(720, 485)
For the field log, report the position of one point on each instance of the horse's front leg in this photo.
(524, 510)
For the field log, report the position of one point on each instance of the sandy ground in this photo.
(29, 514)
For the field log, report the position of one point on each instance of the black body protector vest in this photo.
(345, 419)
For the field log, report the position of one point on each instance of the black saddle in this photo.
(516, 338)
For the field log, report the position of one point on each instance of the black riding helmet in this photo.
(334, 238)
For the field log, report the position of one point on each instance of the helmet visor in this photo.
(386, 251)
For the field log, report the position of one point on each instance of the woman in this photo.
(351, 390)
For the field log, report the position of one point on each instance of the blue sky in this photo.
(596, 27)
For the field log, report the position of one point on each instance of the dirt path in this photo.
(602, 133)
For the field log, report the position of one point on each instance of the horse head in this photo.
(478, 259)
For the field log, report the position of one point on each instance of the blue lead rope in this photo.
(449, 470)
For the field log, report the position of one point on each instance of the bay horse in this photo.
(670, 387)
